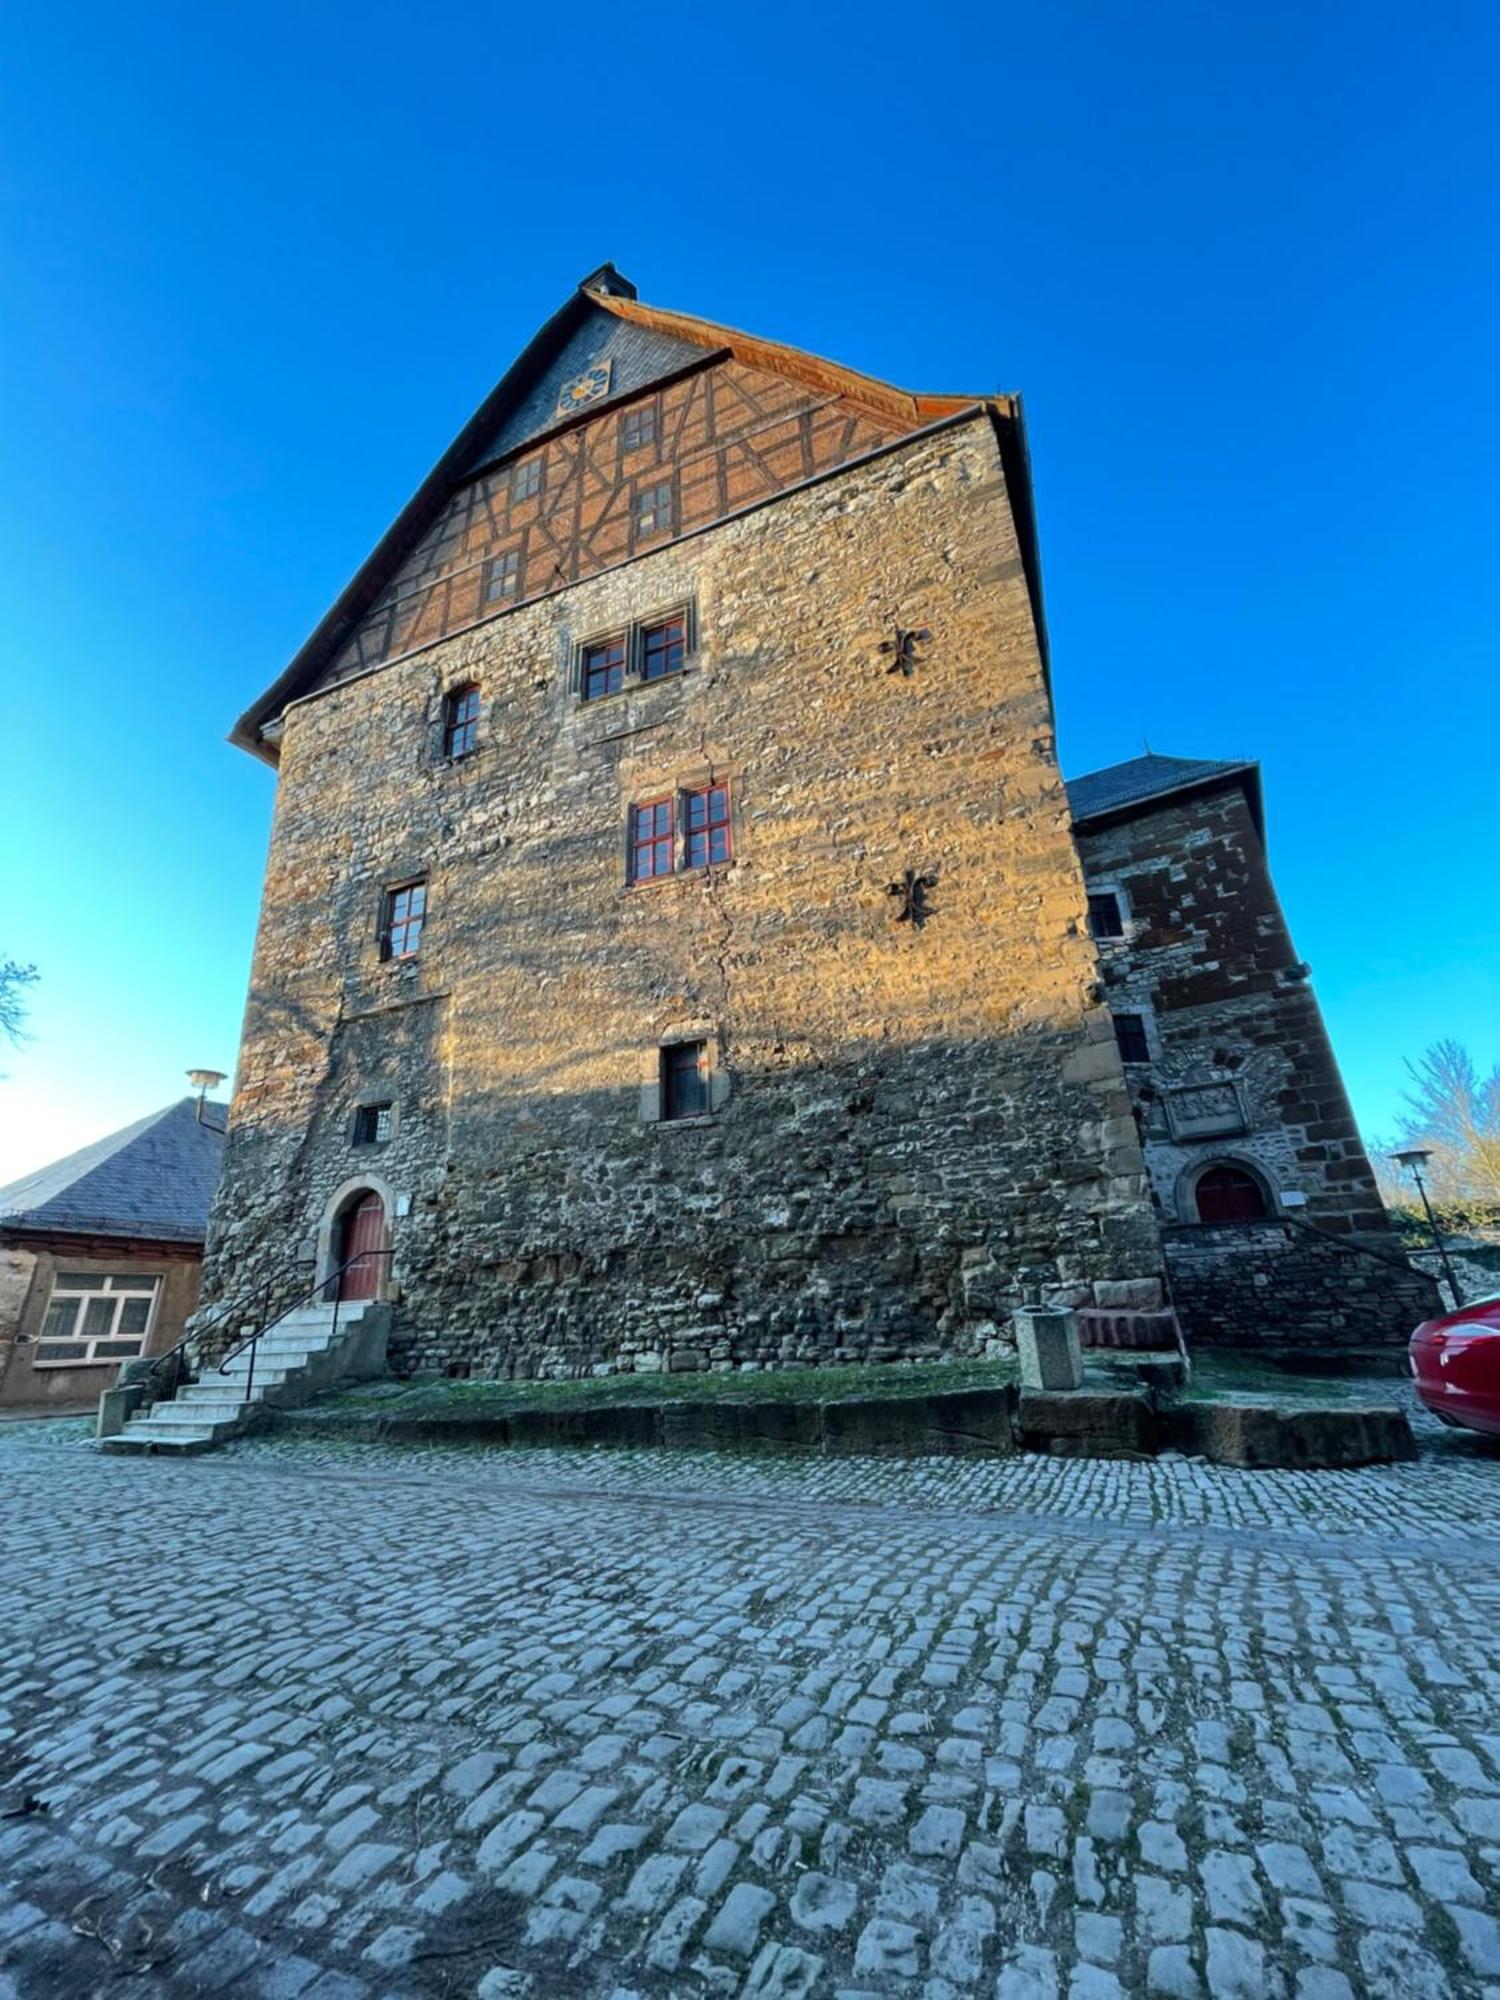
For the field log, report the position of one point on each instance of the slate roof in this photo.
(1143, 780)
(154, 1179)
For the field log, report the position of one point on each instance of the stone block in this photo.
(743, 1426)
(1252, 1434)
(116, 1408)
(1047, 1344)
(973, 1420)
(1083, 1424)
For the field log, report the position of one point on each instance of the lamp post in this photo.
(1414, 1158)
(203, 1081)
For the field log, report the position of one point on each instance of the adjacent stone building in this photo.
(100, 1253)
(674, 949)
(1272, 1225)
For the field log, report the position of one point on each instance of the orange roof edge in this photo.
(778, 359)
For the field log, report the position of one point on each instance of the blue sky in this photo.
(259, 265)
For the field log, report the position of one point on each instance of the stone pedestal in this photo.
(1048, 1346)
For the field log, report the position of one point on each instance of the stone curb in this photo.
(992, 1422)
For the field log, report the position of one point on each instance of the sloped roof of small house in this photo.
(155, 1179)
(603, 320)
(1147, 782)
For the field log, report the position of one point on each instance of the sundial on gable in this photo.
(584, 389)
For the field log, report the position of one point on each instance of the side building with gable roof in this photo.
(100, 1255)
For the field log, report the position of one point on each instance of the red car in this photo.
(1456, 1360)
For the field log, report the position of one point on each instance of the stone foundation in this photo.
(1278, 1284)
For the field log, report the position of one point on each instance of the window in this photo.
(94, 1317)
(663, 648)
(706, 825)
(461, 721)
(702, 818)
(603, 669)
(1130, 1033)
(653, 510)
(372, 1125)
(526, 480)
(684, 1080)
(638, 426)
(1105, 918)
(1229, 1194)
(502, 577)
(651, 840)
(401, 920)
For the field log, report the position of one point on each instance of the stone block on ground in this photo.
(973, 1420)
(1048, 1348)
(1083, 1424)
(747, 1426)
(1253, 1434)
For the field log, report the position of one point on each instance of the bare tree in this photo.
(1456, 1111)
(14, 980)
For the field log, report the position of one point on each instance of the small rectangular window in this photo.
(653, 510)
(603, 669)
(638, 426)
(1130, 1033)
(705, 825)
(402, 919)
(1105, 920)
(684, 1080)
(664, 649)
(461, 722)
(526, 480)
(502, 577)
(372, 1124)
(651, 840)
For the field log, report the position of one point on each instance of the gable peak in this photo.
(609, 281)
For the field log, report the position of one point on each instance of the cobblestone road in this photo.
(345, 1722)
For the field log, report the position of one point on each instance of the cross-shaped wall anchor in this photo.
(912, 889)
(904, 647)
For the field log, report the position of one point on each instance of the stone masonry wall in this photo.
(1273, 1284)
(1208, 960)
(919, 1126)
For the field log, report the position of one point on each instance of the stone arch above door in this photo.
(333, 1213)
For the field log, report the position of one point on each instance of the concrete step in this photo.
(158, 1430)
(133, 1439)
(210, 1409)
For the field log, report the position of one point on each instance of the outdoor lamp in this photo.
(1413, 1159)
(203, 1081)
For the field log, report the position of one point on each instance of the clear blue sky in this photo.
(259, 264)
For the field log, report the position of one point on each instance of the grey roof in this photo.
(155, 1179)
(1141, 779)
(635, 355)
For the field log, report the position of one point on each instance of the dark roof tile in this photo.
(154, 1179)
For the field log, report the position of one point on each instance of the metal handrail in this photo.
(241, 1304)
(252, 1340)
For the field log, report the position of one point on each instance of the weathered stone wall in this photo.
(923, 1125)
(1275, 1284)
(1208, 961)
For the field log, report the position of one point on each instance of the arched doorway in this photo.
(358, 1239)
(1229, 1194)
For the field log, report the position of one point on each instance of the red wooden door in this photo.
(1229, 1194)
(364, 1232)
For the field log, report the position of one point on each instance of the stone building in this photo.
(100, 1254)
(674, 948)
(1271, 1221)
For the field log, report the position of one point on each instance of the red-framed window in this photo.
(705, 826)
(461, 721)
(684, 1080)
(663, 648)
(652, 840)
(402, 917)
(603, 668)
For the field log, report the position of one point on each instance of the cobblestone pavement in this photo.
(323, 1722)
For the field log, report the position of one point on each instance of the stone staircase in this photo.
(296, 1359)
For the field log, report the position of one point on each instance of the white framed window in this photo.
(95, 1316)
